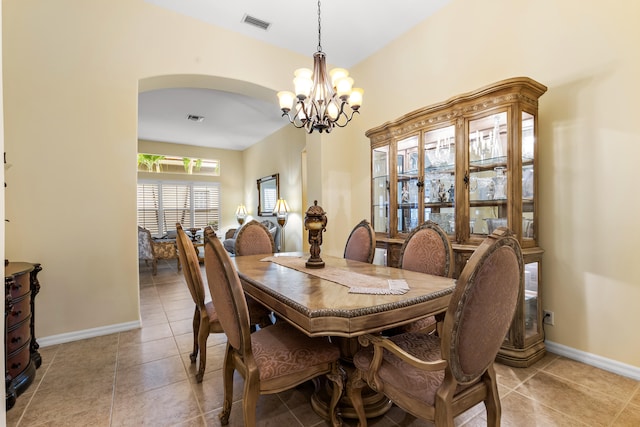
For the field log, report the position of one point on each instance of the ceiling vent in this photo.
(248, 19)
(195, 118)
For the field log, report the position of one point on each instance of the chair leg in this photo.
(227, 379)
(355, 384)
(196, 328)
(492, 400)
(444, 396)
(250, 397)
(203, 334)
(154, 267)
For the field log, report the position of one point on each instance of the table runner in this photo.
(356, 282)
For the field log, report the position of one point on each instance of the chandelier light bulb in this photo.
(355, 99)
(285, 98)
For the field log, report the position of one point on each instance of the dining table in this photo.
(342, 300)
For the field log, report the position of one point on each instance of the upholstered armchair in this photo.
(437, 377)
(150, 249)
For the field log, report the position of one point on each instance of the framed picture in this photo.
(268, 194)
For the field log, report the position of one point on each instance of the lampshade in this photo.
(241, 213)
(282, 208)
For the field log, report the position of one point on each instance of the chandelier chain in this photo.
(319, 32)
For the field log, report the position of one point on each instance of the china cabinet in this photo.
(469, 164)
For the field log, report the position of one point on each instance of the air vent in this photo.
(195, 118)
(248, 19)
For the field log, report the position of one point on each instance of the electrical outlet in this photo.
(548, 317)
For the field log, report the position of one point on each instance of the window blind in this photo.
(193, 204)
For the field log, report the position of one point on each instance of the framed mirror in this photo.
(268, 194)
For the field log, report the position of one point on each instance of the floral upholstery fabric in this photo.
(281, 350)
(164, 249)
(150, 249)
(144, 244)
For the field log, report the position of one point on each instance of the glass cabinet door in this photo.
(528, 182)
(439, 177)
(380, 189)
(488, 173)
(407, 164)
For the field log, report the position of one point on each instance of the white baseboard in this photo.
(610, 365)
(87, 333)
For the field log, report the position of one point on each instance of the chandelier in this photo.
(321, 103)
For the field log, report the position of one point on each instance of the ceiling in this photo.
(162, 114)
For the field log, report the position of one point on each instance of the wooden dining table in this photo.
(321, 302)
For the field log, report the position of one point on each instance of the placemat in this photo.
(356, 282)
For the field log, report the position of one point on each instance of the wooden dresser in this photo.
(21, 349)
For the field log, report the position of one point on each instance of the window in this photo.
(177, 165)
(162, 203)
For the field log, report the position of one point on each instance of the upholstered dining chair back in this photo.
(205, 318)
(437, 377)
(190, 266)
(254, 238)
(482, 306)
(427, 249)
(361, 243)
(272, 359)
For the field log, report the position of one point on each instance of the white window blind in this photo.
(161, 204)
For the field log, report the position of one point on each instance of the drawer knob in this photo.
(16, 339)
(16, 365)
(17, 313)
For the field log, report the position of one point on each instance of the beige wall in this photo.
(586, 53)
(72, 71)
(70, 91)
(280, 153)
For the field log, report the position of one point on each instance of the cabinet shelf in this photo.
(488, 203)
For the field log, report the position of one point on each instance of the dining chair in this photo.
(272, 359)
(437, 377)
(361, 243)
(205, 318)
(254, 238)
(426, 249)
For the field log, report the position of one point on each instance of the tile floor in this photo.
(144, 377)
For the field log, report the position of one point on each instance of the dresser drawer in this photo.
(18, 361)
(21, 285)
(21, 310)
(19, 336)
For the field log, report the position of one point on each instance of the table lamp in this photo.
(241, 213)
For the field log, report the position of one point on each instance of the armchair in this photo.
(150, 249)
(438, 376)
